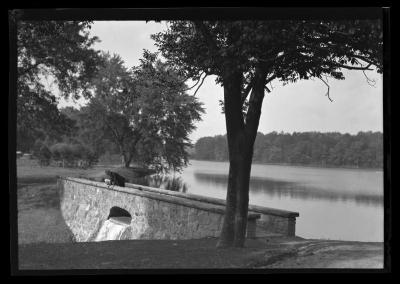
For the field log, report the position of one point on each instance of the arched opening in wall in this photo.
(119, 215)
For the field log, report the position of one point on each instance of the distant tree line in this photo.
(364, 150)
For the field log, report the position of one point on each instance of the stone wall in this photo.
(272, 221)
(86, 205)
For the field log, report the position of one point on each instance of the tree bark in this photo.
(242, 197)
(241, 136)
(250, 133)
(126, 160)
(234, 128)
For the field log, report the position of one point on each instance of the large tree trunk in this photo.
(126, 159)
(242, 197)
(234, 129)
(241, 136)
(235, 219)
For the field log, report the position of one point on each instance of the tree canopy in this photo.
(289, 50)
(60, 51)
(284, 50)
(144, 111)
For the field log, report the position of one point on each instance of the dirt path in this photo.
(326, 254)
(200, 254)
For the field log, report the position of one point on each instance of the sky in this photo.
(296, 107)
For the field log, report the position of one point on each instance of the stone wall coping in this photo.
(216, 208)
(217, 201)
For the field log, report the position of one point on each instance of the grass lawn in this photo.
(38, 201)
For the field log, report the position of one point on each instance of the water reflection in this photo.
(161, 181)
(294, 190)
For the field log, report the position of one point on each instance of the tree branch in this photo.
(353, 67)
(327, 93)
(370, 82)
(367, 60)
(250, 87)
(270, 79)
(255, 102)
(202, 81)
(196, 82)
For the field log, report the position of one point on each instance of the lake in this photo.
(334, 203)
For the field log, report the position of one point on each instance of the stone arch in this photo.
(119, 214)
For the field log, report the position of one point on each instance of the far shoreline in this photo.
(300, 165)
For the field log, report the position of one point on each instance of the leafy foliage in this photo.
(58, 48)
(42, 153)
(283, 50)
(73, 155)
(144, 111)
(38, 118)
(59, 51)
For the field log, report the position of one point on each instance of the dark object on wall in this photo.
(116, 212)
(115, 179)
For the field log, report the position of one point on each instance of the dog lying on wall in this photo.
(114, 179)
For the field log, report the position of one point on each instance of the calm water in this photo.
(340, 204)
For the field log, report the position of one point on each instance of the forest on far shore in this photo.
(332, 149)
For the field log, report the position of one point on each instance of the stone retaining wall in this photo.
(272, 221)
(86, 205)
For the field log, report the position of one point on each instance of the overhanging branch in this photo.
(270, 79)
(196, 83)
(327, 93)
(202, 81)
(353, 67)
(325, 82)
(367, 60)
(370, 82)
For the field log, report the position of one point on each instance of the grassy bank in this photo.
(38, 202)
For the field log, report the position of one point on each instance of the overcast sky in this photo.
(299, 107)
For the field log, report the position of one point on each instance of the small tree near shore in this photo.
(144, 111)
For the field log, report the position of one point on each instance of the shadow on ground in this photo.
(259, 254)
